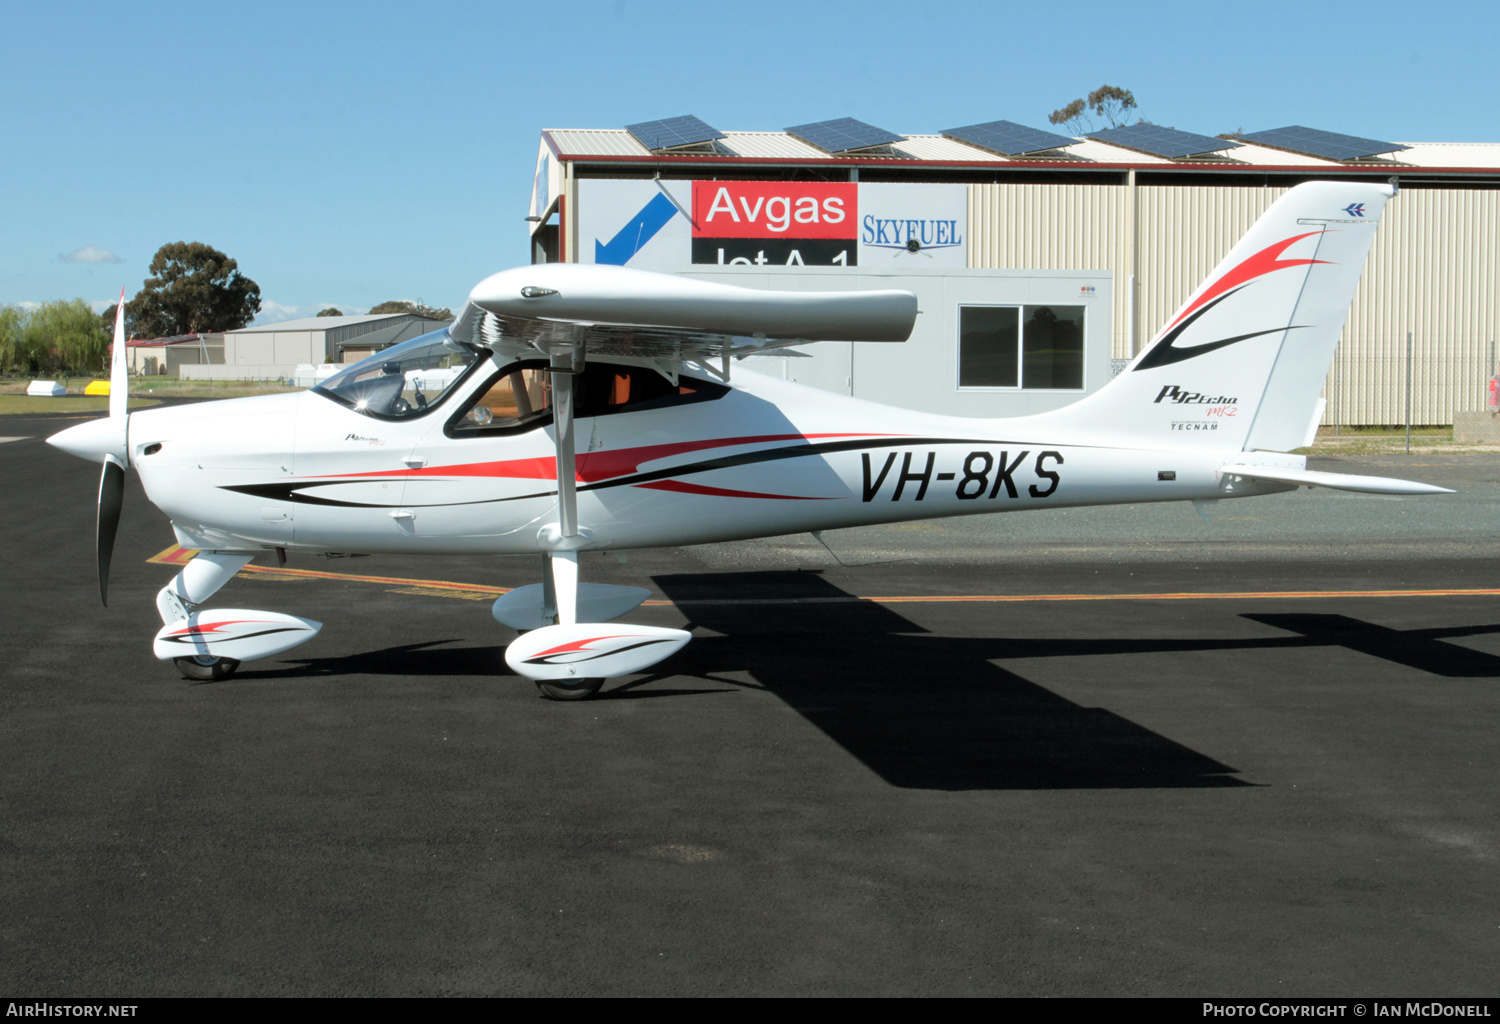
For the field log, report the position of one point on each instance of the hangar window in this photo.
(1034, 348)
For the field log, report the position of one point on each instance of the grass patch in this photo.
(1327, 433)
(169, 387)
(166, 387)
(65, 405)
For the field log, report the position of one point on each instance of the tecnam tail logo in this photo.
(1175, 394)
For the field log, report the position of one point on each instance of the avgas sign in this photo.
(785, 223)
(664, 225)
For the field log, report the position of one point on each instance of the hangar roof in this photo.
(615, 145)
(319, 323)
(175, 339)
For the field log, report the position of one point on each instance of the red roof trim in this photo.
(176, 339)
(991, 165)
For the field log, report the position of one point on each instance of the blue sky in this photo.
(349, 153)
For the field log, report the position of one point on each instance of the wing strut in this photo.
(565, 364)
(562, 564)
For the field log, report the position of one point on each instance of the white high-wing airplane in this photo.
(581, 408)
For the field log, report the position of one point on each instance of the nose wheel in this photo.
(204, 668)
(569, 689)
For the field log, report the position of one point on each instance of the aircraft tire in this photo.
(569, 689)
(203, 669)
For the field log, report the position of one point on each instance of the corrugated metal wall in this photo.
(1434, 270)
(1055, 227)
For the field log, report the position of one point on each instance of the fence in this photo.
(1367, 383)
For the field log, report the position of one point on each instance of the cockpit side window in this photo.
(519, 397)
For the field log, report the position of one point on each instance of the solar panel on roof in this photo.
(671, 132)
(843, 135)
(1163, 142)
(1329, 145)
(1008, 138)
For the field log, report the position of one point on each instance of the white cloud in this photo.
(274, 312)
(91, 254)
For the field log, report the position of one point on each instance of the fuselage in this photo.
(759, 458)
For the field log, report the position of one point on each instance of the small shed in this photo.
(155, 357)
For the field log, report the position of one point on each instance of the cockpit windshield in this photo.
(404, 380)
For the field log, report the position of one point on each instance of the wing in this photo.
(604, 310)
(568, 312)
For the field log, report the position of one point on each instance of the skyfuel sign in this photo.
(664, 225)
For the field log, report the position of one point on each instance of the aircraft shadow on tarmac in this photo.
(932, 712)
(924, 711)
(429, 658)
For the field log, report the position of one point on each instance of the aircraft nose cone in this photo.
(94, 439)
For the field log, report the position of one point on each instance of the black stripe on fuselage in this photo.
(283, 491)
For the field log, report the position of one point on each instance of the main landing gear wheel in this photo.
(569, 689)
(206, 669)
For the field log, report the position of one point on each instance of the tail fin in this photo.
(1240, 365)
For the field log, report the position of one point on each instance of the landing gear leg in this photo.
(199, 580)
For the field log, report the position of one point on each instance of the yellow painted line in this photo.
(1191, 595)
(175, 555)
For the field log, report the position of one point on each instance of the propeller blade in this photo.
(111, 497)
(119, 381)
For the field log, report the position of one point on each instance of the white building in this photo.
(274, 351)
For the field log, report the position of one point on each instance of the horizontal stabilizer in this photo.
(1338, 481)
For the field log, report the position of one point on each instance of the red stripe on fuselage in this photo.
(591, 466)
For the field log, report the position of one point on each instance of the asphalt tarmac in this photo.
(1095, 786)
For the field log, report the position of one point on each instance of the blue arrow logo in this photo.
(634, 235)
(1355, 209)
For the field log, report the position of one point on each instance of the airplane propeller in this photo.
(111, 498)
(112, 474)
(106, 441)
